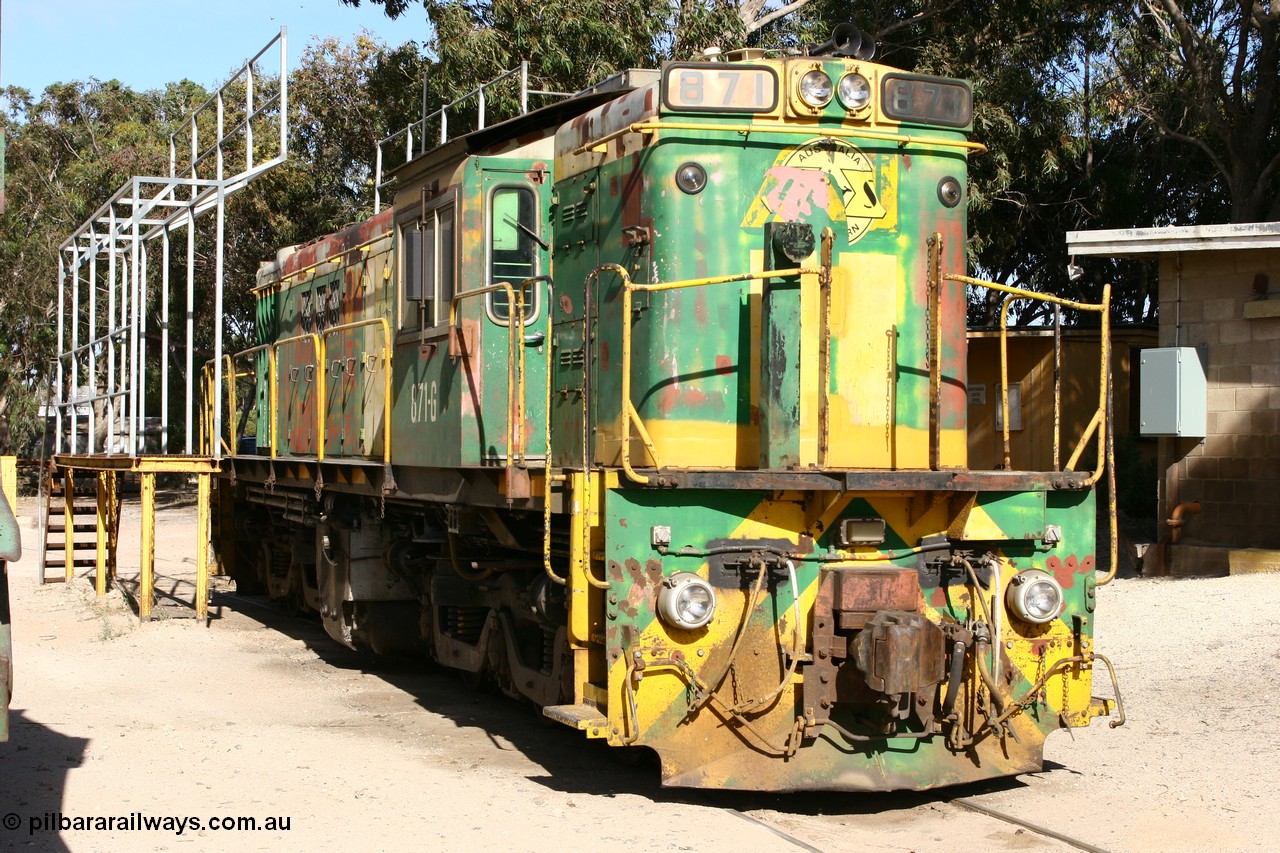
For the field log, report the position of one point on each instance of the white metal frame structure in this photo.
(249, 128)
(414, 139)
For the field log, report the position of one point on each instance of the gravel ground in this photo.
(260, 715)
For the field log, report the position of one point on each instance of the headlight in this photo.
(1034, 596)
(686, 601)
(854, 91)
(815, 89)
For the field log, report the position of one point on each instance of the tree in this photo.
(1206, 73)
(68, 150)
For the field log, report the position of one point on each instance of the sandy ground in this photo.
(259, 715)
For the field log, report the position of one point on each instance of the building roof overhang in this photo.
(1140, 242)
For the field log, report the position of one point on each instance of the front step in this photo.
(584, 718)
(64, 552)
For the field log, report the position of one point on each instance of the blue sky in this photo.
(147, 43)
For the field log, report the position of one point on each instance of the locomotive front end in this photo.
(799, 583)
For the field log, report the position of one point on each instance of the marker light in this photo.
(1034, 596)
(691, 177)
(815, 88)
(686, 601)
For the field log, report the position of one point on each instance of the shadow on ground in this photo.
(33, 775)
(572, 764)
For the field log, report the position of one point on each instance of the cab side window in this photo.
(427, 246)
(513, 249)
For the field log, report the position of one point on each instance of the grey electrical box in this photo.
(1174, 395)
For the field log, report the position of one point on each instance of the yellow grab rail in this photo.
(1102, 308)
(1102, 416)
(384, 357)
(316, 348)
(629, 414)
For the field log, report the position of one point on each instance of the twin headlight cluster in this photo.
(687, 601)
(853, 90)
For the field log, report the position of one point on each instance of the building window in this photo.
(513, 249)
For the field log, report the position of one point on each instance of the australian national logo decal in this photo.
(831, 176)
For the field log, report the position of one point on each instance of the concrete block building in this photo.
(1219, 484)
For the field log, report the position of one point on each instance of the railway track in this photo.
(963, 803)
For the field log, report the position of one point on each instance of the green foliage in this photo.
(77, 143)
(1205, 75)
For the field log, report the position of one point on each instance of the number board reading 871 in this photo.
(708, 88)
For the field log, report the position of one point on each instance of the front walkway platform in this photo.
(105, 469)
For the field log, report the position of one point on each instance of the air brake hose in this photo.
(953, 680)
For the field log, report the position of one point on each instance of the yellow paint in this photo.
(662, 687)
(1059, 642)
(147, 573)
(864, 311)
(980, 526)
(69, 522)
(810, 374)
(202, 547)
(100, 563)
(9, 480)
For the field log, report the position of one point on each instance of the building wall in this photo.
(1031, 368)
(1235, 471)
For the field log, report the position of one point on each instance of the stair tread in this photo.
(580, 716)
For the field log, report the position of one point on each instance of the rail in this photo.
(319, 348)
(1102, 416)
(414, 137)
(385, 360)
(629, 414)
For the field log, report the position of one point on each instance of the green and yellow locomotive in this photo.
(650, 406)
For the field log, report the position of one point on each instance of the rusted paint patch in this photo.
(1066, 571)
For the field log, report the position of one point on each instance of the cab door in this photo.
(515, 202)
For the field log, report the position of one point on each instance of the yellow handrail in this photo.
(1102, 308)
(318, 341)
(629, 413)
(384, 327)
(1102, 416)
(231, 397)
(316, 348)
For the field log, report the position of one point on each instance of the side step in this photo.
(584, 718)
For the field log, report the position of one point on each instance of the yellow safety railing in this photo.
(318, 343)
(384, 358)
(273, 384)
(515, 361)
(629, 414)
(1102, 416)
(232, 401)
